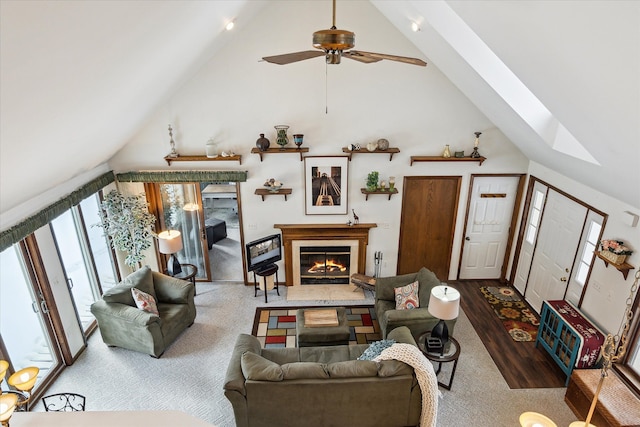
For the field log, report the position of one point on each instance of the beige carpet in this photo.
(324, 293)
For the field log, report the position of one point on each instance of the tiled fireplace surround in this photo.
(296, 235)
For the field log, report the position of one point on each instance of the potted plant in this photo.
(126, 219)
(372, 181)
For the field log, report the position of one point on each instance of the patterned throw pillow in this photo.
(375, 348)
(144, 301)
(407, 296)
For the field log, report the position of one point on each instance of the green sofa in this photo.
(418, 320)
(122, 324)
(320, 386)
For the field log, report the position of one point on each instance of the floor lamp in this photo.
(613, 349)
(170, 243)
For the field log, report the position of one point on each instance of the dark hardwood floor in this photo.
(522, 364)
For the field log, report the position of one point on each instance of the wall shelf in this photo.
(480, 160)
(383, 192)
(256, 150)
(390, 151)
(622, 268)
(264, 192)
(202, 158)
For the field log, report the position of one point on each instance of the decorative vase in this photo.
(263, 143)
(297, 139)
(372, 146)
(383, 144)
(392, 182)
(210, 149)
(281, 135)
(447, 152)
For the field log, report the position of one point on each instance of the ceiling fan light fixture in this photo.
(334, 39)
(333, 57)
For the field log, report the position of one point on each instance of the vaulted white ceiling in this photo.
(79, 79)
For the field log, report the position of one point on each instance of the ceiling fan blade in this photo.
(288, 58)
(405, 59)
(351, 54)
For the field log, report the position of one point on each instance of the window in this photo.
(590, 245)
(534, 217)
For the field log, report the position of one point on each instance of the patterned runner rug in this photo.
(516, 316)
(276, 326)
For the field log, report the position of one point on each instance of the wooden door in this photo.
(489, 226)
(429, 206)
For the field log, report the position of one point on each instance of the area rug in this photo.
(324, 293)
(516, 316)
(276, 326)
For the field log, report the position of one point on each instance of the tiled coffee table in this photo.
(322, 335)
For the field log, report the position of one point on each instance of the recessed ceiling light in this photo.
(415, 27)
(230, 25)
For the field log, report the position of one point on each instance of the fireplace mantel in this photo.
(291, 232)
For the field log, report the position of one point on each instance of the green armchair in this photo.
(122, 324)
(418, 320)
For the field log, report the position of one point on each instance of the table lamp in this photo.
(444, 304)
(170, 243)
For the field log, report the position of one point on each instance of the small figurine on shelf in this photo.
(356, 218)
(173, 152)
(392, 183)
(475, 154)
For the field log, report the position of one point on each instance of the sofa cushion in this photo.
(330, 354)
(304, 370)
(407, 296)
(144, 301)
(257, 368)
(392, 368)
(121, 293)
(428, 280)
(375, 348)
(353, 368)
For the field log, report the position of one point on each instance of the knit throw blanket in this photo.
(427, 380)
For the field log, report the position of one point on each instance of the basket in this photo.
(613, 258)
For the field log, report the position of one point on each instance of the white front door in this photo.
(556, 249)
(488, 226)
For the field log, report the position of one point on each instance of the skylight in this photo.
(503, 81)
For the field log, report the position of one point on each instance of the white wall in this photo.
(607, 290)
(235, 97)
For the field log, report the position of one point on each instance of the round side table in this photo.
(450, 353)
(188, 273)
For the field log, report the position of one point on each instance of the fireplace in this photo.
(324, 265)
(323, 242)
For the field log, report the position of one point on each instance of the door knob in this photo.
(467, 238)
(563, 279)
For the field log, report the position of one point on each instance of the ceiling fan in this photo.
(333, 44)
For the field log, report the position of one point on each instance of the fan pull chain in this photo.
(326, 88)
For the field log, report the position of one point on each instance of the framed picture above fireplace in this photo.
(326, 185)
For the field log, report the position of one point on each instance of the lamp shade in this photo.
(8, 404)
(533, 419)
(4, 365)
(24, 379)
(169, 242)
(444, 302)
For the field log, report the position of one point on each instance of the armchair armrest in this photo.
(102, 309)
(234, 379)
(172, 290)
(398, 316)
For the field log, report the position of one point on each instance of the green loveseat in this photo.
(122, 324)
(418, 320)
(320, 386)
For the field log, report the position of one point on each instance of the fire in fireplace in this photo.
(326, 265)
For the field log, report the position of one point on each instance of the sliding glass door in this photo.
(24, 318)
